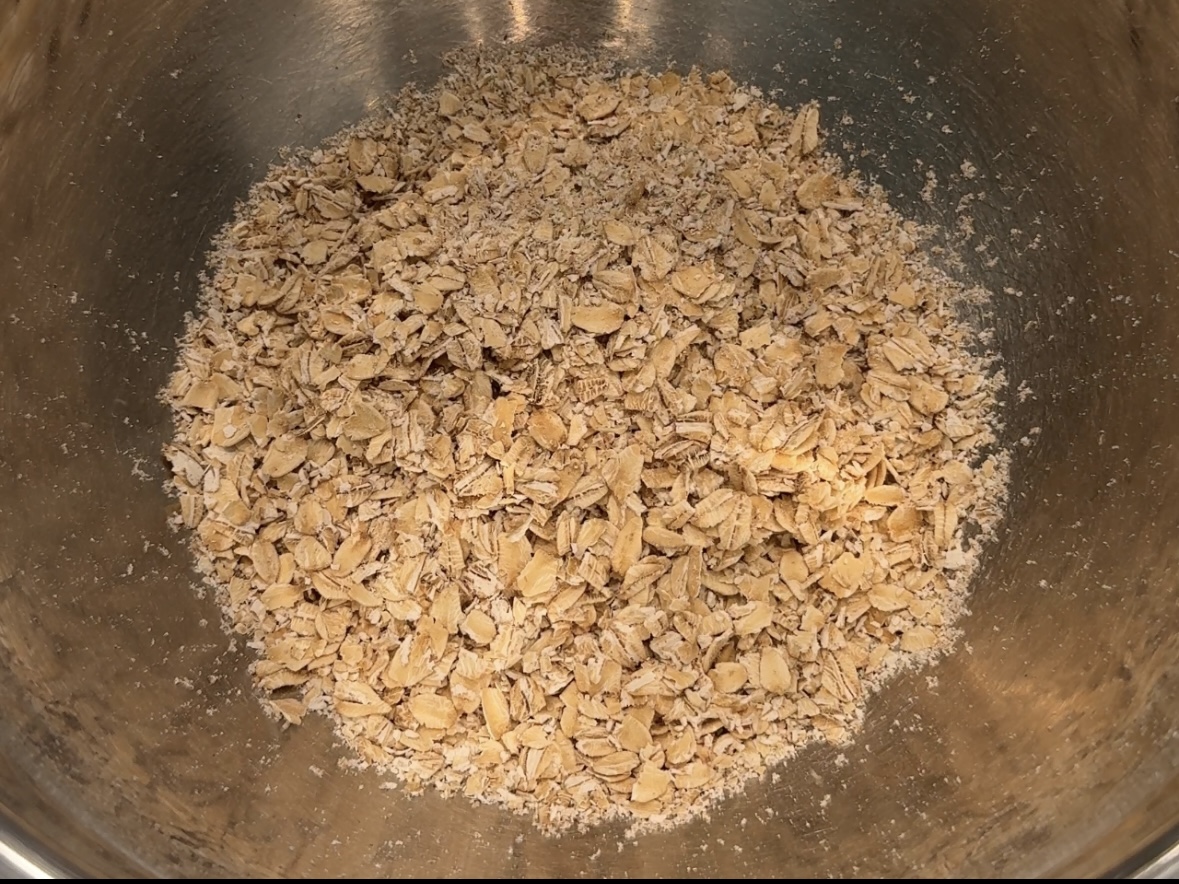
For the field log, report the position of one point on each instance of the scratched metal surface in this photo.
(128, 129)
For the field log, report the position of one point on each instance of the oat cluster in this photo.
(582, 443)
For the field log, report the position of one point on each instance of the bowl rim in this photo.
(24, 857)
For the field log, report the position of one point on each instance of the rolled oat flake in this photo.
(579, 442)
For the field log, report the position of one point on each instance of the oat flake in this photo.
(581, 443)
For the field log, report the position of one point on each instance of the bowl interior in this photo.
(131, 741)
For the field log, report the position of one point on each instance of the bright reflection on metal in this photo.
(20, 864)
(521, 22)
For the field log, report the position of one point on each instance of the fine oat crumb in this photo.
(930, 188)
(582, 443)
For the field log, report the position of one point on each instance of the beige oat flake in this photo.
(581, 442)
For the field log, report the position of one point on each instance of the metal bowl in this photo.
(130, 740)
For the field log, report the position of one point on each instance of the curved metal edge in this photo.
(19, 860)
(1164, 865)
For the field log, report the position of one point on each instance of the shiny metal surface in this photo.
(1049, 745)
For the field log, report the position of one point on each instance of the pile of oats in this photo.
(582, 443)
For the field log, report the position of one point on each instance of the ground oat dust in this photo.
(581, 443)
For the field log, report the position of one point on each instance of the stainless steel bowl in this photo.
(130, 741)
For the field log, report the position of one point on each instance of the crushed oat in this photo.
(582, 443)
